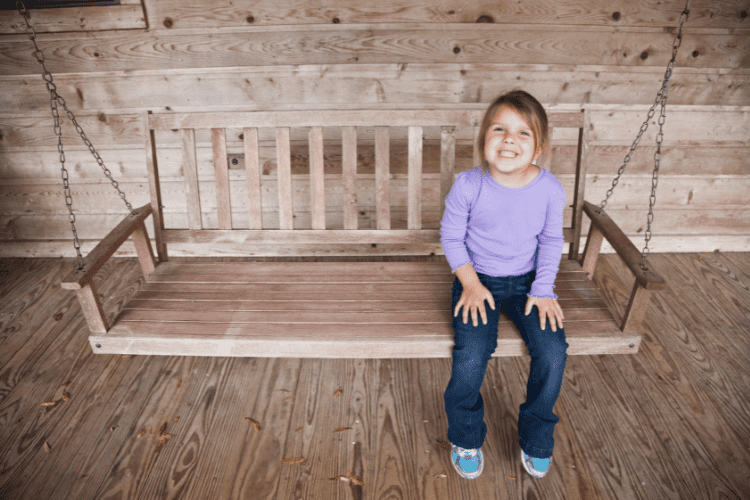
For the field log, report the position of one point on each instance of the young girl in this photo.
(502, 235)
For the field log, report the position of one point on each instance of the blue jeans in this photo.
(473, 349)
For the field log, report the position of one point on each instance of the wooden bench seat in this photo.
(331, 309)
(316, 309)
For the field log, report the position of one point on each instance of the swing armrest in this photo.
(630, 255)
(94, 261)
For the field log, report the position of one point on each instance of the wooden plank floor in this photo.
(671, 422)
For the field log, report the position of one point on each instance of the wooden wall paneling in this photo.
(317, 178)
(190, 14)
(127, 15)
(447, 163)
(415, 177)
(382, 178)
(154, 187)
(349, 175)
(190, 169)
(377, 44)
(252, 177)
(284, 178)
(223, 201)
(311, 86)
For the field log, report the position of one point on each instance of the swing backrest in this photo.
(373, 127)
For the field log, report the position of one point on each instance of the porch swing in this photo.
(332, 309)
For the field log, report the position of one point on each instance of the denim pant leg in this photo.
(472, 350)
(536, 421)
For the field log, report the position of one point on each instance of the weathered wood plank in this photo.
(382, 178)
(703, 14)
(349, 175)
(154, 187)
(317, 179)
(143, 248)
(381, 43)
(190, 170)
(369, 118)
(88, 19)
(284, 176)
(223, 203)
(447, 163)
(415, 178)
(253, 177)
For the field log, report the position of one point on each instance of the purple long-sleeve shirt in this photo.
(505, 231)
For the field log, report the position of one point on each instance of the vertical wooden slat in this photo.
(143, 249)
(415, 177)
(477, 157)
(580, 187)
(447, 163)
(284, 172)
(349, 174)
(190, 169)
(154, 188)
(317, 178)
(92, 308)
(223, 203)
(382, 176)
(252, 173)
(545, 161)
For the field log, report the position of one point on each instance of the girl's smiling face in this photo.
(510, 146)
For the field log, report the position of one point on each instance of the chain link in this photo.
(55, 98)
(661, 99)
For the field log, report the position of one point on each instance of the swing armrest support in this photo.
(646, 281)
(94, 261)
(629, 254)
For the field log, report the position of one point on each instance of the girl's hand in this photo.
(547, 307)
(472, 299)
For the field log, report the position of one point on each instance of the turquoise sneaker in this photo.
(468, 463)
(537, 467)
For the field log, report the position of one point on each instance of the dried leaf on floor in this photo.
(179, 383)
(66, 383)
(510, 477)
(163, 439)
(256, 425)
(143, 431)
(355, 479)
(66, 396)
(46, 447)
(176, 419)
(293, 460)
(339, 478)
(338, 392)
(162, 428)
(48, 403)
(299, 429)
(340, 429)
(150, 430)
(113, 427)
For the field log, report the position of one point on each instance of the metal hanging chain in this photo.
(54, 99)
(661, 98)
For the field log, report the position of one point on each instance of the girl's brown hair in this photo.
(528, 107)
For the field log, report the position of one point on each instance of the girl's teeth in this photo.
(508, 154)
